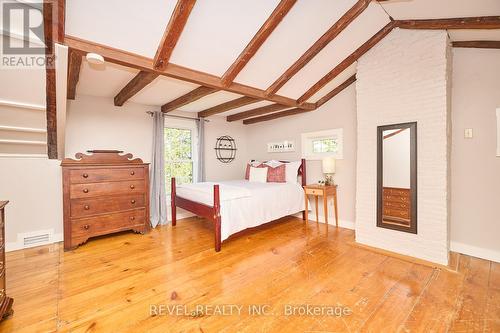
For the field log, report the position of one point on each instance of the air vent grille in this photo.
(35, 240)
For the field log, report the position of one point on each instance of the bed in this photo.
(233, 206)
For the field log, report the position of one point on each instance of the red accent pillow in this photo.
(276, 175)
(247, 172)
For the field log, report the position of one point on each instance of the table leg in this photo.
(316, 201)
(325, 208)
(335, 207)
(306, 212)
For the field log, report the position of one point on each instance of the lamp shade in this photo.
(329, 165)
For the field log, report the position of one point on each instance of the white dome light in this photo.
(95, 58)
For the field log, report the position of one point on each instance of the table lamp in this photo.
(329, 169)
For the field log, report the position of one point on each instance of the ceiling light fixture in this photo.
(95, 58)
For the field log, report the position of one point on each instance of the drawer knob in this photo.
(132, 187)
(85, 190)
(132, 218)
(85, 175)
(86, 207)
(132, 173)
(132, 201)
(86, 226)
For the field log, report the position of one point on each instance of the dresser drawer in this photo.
(405, 214)
(103, 189)
(91, 206)
(396, 198)
(396, 205)
(79, 176)
(100, 225)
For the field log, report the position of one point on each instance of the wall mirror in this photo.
(397, 177)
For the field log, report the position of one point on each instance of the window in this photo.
(317, 145)
(327, 145)
(180, 153)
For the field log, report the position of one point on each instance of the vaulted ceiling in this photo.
(288, 50)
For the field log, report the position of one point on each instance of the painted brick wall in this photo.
(405, 78)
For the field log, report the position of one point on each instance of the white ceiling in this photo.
(218, 30)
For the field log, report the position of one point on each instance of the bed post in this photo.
(217, 218)
(304, 182)
(172, 201)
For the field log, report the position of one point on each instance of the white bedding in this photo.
(247, 204)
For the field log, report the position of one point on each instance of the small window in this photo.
(327, 145)
(178, 156)
(318, 145)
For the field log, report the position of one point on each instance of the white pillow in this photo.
(254, 163)
(258, 175)
(273, 163)
(291, 171)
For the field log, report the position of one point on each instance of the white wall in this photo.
(396, 160)
(475, 170)
(404, 79)
(339, 112)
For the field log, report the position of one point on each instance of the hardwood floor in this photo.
(119, 283)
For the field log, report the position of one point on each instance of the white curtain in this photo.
(157, 193)
(201, 150)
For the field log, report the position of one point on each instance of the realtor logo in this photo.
(23, 44)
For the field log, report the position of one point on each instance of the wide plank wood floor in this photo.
(119, 283)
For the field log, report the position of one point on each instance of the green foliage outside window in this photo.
(178, 156)
(325, 146)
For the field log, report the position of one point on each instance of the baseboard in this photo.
(331, 220)
(475, 251)
(18, 245)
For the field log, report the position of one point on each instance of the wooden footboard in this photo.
(211, 213)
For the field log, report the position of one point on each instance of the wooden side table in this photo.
(324, 191)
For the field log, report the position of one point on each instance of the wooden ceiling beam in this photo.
(235, 103)
(139, 62)
(260, 37)
(319, 45)
(480, 22)
(347, 62)
(276, 115)
(336, 91)
(190, 97)
(478, 44)
(173, 32)
(74, 64)
(142, 79)
(256, 112)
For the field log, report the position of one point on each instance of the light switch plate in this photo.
(468, 133)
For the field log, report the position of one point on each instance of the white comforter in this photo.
(247, 204)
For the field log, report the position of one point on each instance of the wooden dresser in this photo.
(397, 205)
(5, 301)
(103, 193)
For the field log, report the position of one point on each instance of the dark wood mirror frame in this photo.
(413, 177)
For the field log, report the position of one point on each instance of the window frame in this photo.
(308, 139)
(185, 124)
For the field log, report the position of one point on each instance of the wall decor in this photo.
(321, 144)
(281, 147)
(225, 149)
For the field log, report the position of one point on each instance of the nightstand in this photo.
(324, 191)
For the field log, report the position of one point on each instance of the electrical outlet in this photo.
(468, 133)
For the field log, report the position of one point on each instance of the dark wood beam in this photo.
(53, 27)
(190, 97)
(276, 115)
(256, 112)
(336, 91)
(235, 103)
(478, 44)
(481, 22)
(74, 64)
(135, 85)
(260, 37)
(319, 45)
(173, 32)
(347, 62)
(139, 62)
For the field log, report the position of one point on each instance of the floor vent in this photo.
(32, 239)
